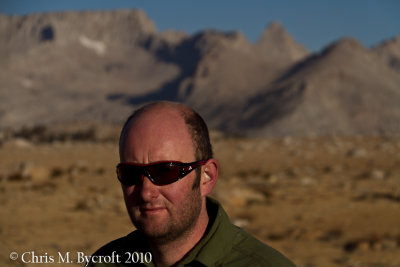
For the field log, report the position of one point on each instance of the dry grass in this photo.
(322, 202)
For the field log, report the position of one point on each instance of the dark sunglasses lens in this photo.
(164, 173)
(129, 174)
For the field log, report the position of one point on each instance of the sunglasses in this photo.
(159, 173)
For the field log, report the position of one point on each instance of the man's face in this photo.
(169, 211)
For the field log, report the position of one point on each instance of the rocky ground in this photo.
(322, 202)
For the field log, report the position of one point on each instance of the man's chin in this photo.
(153, 232)
(151, 227)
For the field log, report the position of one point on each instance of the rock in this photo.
(39, 174)
(78, 168)
(21, 143)
(378, 174)
(243, 196)
(21, 172)
(307, 181)
(238, 194)
(357, 152)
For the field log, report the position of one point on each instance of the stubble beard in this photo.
(178, 224)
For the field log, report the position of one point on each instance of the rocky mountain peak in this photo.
(272, 34)
(389, 51)
(65, 28)
(276, 44)
(345, 45)
(212, 41)
(275, 29)
(392, 43)
(341, 52)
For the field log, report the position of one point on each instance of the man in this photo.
(167, 170)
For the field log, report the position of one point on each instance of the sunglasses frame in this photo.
(185, 169)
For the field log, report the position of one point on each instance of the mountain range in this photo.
(97, 66)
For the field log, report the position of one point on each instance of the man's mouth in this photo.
(151, 210)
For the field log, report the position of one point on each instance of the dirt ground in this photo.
(321, 202)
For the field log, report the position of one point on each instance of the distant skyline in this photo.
(313, 23)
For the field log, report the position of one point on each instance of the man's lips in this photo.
(151, 210)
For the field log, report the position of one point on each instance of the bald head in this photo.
(176, 117)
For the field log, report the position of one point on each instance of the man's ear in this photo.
(209, 177)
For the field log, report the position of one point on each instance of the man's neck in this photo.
(171, 252)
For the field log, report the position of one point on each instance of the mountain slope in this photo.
(344, 90)
(67, 66)
(100, 65)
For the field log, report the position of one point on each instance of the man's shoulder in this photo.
(249, 251)
(229, 245)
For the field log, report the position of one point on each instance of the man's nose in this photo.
(148, 190)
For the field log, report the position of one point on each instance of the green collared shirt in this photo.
(223, 244)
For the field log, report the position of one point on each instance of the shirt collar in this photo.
(216, 242)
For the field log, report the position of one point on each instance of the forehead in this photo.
(158, 134)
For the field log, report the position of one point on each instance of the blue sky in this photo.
(312, 23)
